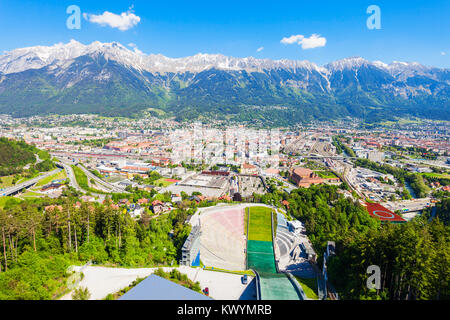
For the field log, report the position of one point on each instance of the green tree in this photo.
(81, 294)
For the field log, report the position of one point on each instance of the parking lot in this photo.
(250, 185)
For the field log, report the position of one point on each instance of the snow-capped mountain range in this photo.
(37, 57)
(101, 77)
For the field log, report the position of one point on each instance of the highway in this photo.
(107, 186)
(15, 189)
(72, 181)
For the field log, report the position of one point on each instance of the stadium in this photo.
(239, 238)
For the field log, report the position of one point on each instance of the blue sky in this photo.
(410, 30)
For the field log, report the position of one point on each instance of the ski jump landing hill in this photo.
(261, 258)
(240, 237)
(222, 240)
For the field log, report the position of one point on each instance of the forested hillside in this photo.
(14, 155)
(328, 215)
(442, 211)
(40, 245)
(413, 257)
(18, 160)
(109, 79)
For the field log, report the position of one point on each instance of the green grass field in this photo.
(309, 286)
(82, 180)
(3, 201)
(21, 180)
(400, 121)
(325, 174)
(260, 227)
(436, 175)
(56, 176)
(162, 182)
(81, 177)
(31, 195)
(6, 181)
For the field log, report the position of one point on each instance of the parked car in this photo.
(244, 279)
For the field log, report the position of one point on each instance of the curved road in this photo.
(74, 183)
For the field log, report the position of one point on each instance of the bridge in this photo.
(25, 185)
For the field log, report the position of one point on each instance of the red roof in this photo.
(303, 172)
(376, 210)
(135, 168)
(157, 202)
(53, 207)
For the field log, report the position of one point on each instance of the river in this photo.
(410, 190)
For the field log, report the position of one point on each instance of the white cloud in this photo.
(292, 39)
(443, 53)
(123, 22)
(314, 41)
(260, 49)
